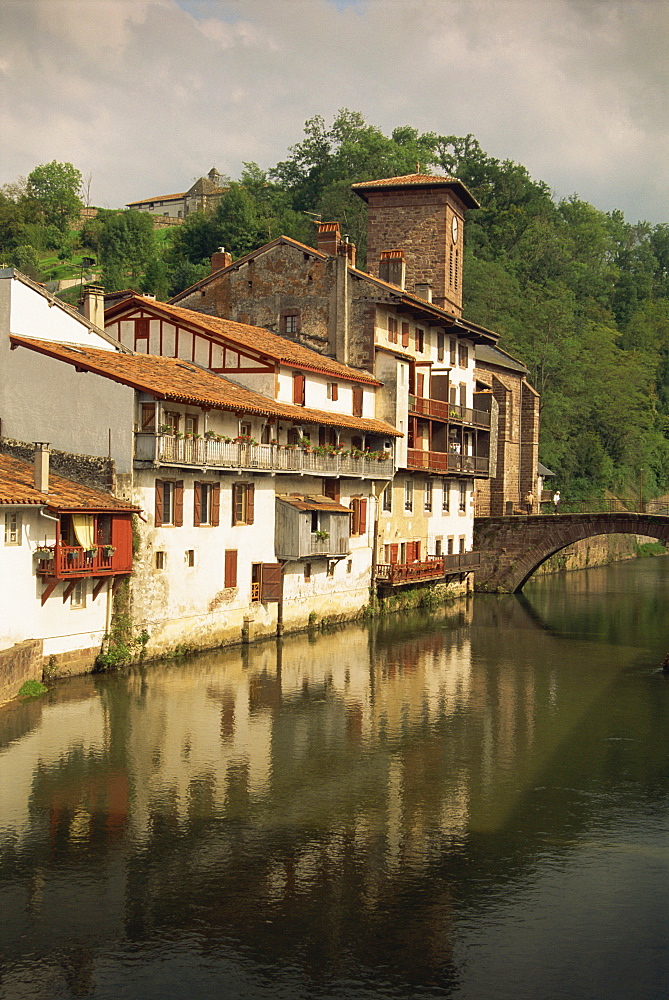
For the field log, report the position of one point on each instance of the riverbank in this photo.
(601, 550)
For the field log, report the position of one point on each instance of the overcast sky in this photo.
(147, 95)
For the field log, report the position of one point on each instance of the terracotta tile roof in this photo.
(158, 197)
(255, 338)
(185, 382)
(413, 181)
(313, 502)
(17, 486)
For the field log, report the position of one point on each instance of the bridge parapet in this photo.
(513, 547)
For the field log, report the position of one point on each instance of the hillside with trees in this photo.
(580, 295)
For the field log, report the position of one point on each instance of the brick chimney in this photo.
(392, 267)
(42, 466)
(220, 259)
(93, 306)
(329, 238)
(347, 250)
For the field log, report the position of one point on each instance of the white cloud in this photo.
(146, 95)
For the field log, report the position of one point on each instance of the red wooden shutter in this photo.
(250, 502)
(158, 516)
(230, 568)
(298, 389)
(412, 378)
(394, 552)
(215, 501)
(355, 516)
(179, 503)
(335, 391)
(363, 517)
(332, 489)
(270, 583)
(197, 504)
(405, 334)
(357, 401)
(420, 385)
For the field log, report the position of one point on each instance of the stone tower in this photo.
(423, 216)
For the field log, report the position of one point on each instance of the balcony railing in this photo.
(447, 461)
(434, 568)
(202, 452)
(74, 561)
(449, 411)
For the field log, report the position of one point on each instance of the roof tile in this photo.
(17, 486)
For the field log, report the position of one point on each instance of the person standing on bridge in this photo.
(529, 501)
(556, 502)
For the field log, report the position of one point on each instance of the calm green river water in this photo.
(468, 804)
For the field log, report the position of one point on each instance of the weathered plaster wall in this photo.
(18, 664)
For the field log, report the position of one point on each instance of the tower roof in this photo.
(412, 181)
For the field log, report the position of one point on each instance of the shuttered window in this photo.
(270, 582)
(169, 507)
(332, 489)
(358, 515)
(206, 504)
(299, 382)
(230, 568)
(357, 401)
(405, 334)
(243, 503)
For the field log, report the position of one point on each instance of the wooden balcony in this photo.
(72, 561)
(451, 412)
(166, 449)
(444, 462)
(434, 568)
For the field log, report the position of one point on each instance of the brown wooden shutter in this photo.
(230, 568)
(412, 378)
(215, 501)
(405, 334)
(335, 391)
(148, 417)
(197, 504)
(270, 583)
(236, 503)
(357, 401)
(179, 503)
(363, 517)
(420, 385)
(417, 551)
(332, 489)
(158, 516)
(298, 389)
(394, 552)
(250, 503)
(355, 516)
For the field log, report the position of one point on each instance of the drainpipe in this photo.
(108, 610)
(279, 607)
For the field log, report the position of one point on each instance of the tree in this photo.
(56, 186)
(127, 248)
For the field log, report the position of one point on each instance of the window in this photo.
(299, 387)
(331, 567)
(333, 390)
(78, 595)
(244, 429)
(243, 501)
(230, 579)
(463, 355)
(358, 515)
(388, 498)
(405, 334)
(428, 494)
(171, 421)
(13, 527)
(357, 401)
(290, 322)
(169, 502)
(440, 347)
(438, 544)
(206, 504)
(266, 582)
(452, 350)
(190, 424)
(392, 330)
(462, 502)
(449, 545)
(160, 560)
(445, 495)
(332, 489)
(349, 565)
(462, 543)
(307, 572)
(189, 557)
(408, 494)
(419, 340)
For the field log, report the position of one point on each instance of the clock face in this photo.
(454, 228)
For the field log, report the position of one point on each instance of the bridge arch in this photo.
(512, 548)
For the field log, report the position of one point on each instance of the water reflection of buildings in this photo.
(279, 794)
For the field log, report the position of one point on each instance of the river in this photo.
(471, 803)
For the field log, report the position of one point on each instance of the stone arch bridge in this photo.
(513, 547)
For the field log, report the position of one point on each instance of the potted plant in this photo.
(43, 552)
(90, 552)
(108, 550)
(322, 536)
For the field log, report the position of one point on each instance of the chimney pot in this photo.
(424, 290)
(222, 258)
(93, 307)
(42, 454)
(329, 238)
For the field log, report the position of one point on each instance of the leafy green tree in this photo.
(127, 248)
(25, 259)
(55, 187)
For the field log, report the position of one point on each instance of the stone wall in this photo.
(18, 664)
(597, 551)
(88, 470)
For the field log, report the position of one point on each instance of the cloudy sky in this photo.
(147, 95)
